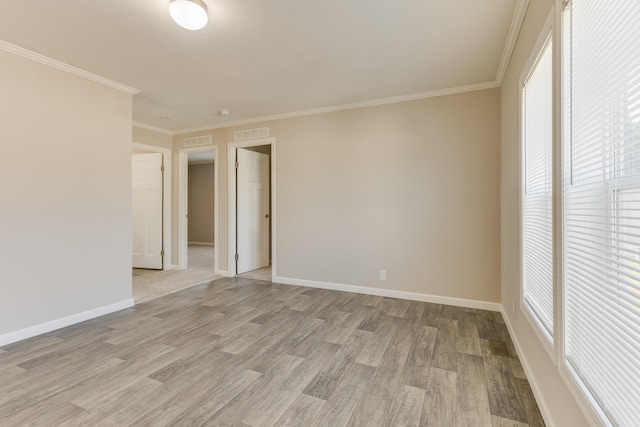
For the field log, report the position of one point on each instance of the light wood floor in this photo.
(242, 352)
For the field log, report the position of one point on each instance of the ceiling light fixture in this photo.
(189, 14)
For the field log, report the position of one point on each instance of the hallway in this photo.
(151, 284)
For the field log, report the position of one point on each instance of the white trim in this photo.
(173, 267)
(333, 108)
(183, 189)
(231, 192)
(558, 201)
(545, 338)
(52, 325)
(512, 38)
(590, 408)
(183, 205)
(201, 243)
(25, 53)
(413, 296)
(547, 34)
(167, 203)
(153, 128)
(535, 388)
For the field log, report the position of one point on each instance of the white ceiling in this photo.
(262, 58)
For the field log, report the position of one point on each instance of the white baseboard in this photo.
(414, 296)
(200, 243)
(52, 325)
(542, 404)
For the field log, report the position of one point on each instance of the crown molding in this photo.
(25, 53)
(512, 38)
(152, 128)
(333, 108)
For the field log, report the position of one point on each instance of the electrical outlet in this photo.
(383, 274)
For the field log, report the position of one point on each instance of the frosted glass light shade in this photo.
(189, 14)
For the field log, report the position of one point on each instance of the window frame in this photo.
(591, 408)
(547, 35)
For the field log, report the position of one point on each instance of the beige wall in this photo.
(555, 396)
(149, 137)
(412, 188)
(201, 203)
(65, 184)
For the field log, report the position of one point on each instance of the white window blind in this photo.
(602, 204)
(536, 194)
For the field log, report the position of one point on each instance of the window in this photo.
(601, 212)
(536, 192)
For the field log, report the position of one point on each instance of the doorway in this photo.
(150, 284)
(197, 208)
(252, 209)
(200, 213)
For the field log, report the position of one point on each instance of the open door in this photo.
(252, 210)
(147, 210)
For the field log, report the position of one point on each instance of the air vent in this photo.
(242, 135)
(198, 141)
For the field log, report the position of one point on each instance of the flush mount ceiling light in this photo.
(189, 14)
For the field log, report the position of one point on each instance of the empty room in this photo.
(305, 213)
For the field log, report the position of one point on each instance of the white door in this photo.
(252, 210)
(147, 210)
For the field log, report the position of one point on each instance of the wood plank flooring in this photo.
(243, 352)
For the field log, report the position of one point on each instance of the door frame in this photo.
(166, 200)
(183, 203)
(231, 155)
